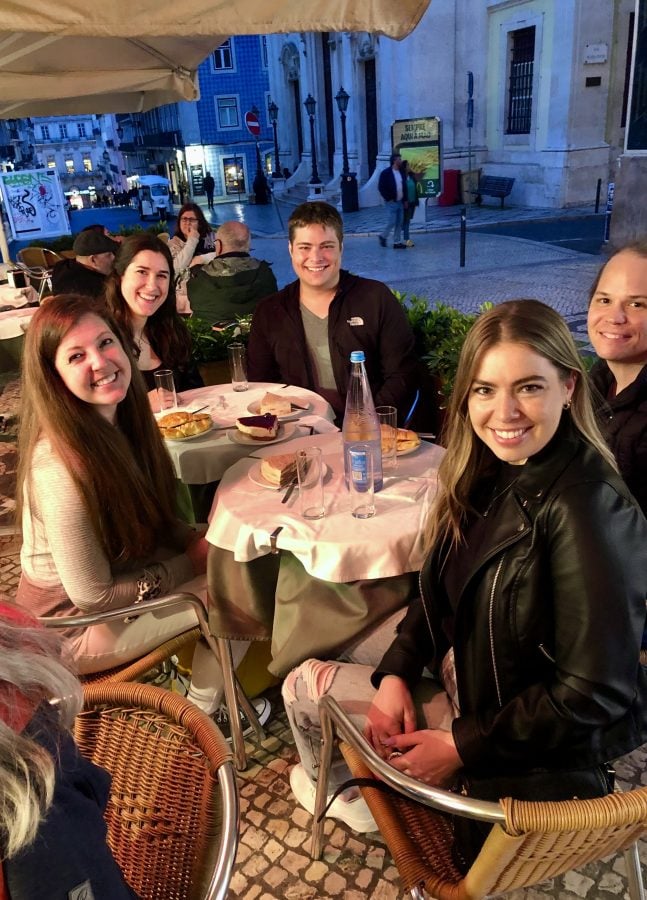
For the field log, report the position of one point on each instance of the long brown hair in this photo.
(124, 473)
(543, 331)
(168, 335)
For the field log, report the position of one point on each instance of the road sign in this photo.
(252, 124)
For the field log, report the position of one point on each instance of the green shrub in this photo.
(210, 345)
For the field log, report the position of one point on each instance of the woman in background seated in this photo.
(533, 596)
(52, 831)
(617, 323)
(193, 244)
(141, 297)
(96, 493)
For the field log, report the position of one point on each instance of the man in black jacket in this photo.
(304, 334)
(86, 273)
(392, 189)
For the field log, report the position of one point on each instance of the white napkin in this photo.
(248, 540)
(320, 425)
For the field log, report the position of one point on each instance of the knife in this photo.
(296, 406)
(289, 490)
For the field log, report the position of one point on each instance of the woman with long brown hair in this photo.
(96, 492)
(532, 598)
(193, 244)
(140, 294)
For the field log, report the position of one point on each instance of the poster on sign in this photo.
(419, 142)
(33, 204)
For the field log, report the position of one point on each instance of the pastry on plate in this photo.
(407, 440)
(272, 403)
(183, 424)
(260, 428)
(280, 469)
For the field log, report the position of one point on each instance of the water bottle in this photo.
(361, 425)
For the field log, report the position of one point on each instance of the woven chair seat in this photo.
(134, 671)
(167, 812)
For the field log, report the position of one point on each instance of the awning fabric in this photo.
(60, 57)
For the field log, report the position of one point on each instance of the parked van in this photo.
(154, 197)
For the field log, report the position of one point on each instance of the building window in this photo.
(263, 38)
(63, 131)
(51, 162)
(223, 56)
(44, 131)
(81, 129)
(227, 112)
(69, 166)
(87, 164)
(522, 61)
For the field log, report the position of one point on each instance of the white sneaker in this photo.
(410, 243)
(355, 812)
(262, 707)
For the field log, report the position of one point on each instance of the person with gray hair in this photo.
(52, 830)
(232, 284)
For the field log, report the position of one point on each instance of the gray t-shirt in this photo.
(316, 330)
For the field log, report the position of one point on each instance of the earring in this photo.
(567, 405)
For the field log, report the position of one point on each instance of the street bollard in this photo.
(597, 196)
(463, 234)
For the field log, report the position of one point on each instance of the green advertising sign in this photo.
(418, 141)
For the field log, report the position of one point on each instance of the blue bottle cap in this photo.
(357, 356)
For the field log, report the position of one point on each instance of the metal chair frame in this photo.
(40, 276)
(336, 724)
(235, 697)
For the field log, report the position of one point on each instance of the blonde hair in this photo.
(32, 668)
(543, 331)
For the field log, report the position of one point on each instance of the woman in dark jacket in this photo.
(533, 592)
(140, 294)
(617, 323)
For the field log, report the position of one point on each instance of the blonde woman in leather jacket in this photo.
(533, 592)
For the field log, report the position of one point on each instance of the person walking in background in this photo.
(209, 186)
(391, 187)
(409, 200)
(617, 324)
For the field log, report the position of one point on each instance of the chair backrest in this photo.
(164, 236)
(173, 810)
(38, 257)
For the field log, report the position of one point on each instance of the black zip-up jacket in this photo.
(363, 315)
(623, 420)
(547, 623)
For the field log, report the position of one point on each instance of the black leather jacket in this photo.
(547, 623)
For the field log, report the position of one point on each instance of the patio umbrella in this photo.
(61, 57)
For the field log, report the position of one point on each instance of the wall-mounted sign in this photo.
(34, 204)
(596, 53)
(419, 142)
(197, 180)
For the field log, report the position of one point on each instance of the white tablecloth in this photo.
(205, 459)
(337, 548)
(17, 297)
(13, 322)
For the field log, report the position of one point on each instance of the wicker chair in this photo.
(173, 811)
(529, 841)
(235, 697)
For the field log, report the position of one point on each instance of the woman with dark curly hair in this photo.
(193, 244)
(140, 294)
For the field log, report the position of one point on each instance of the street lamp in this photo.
(273, 110)
(311, 104)
(349, 197)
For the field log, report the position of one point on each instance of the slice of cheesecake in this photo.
(260, 428)
(279, 470)
(272, 403)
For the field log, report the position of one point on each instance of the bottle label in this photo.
(359, 468)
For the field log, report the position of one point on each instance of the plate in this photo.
(255, 408)
(409, 450)
(189, 437)
(285, 432)
(254, 474)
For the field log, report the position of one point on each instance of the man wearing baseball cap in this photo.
(86, 274)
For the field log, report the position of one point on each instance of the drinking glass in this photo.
(310, 476)
(238, 366)
(361, 483)
(388, 418)
(165, 384)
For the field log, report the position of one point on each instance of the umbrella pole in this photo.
(4, 246)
